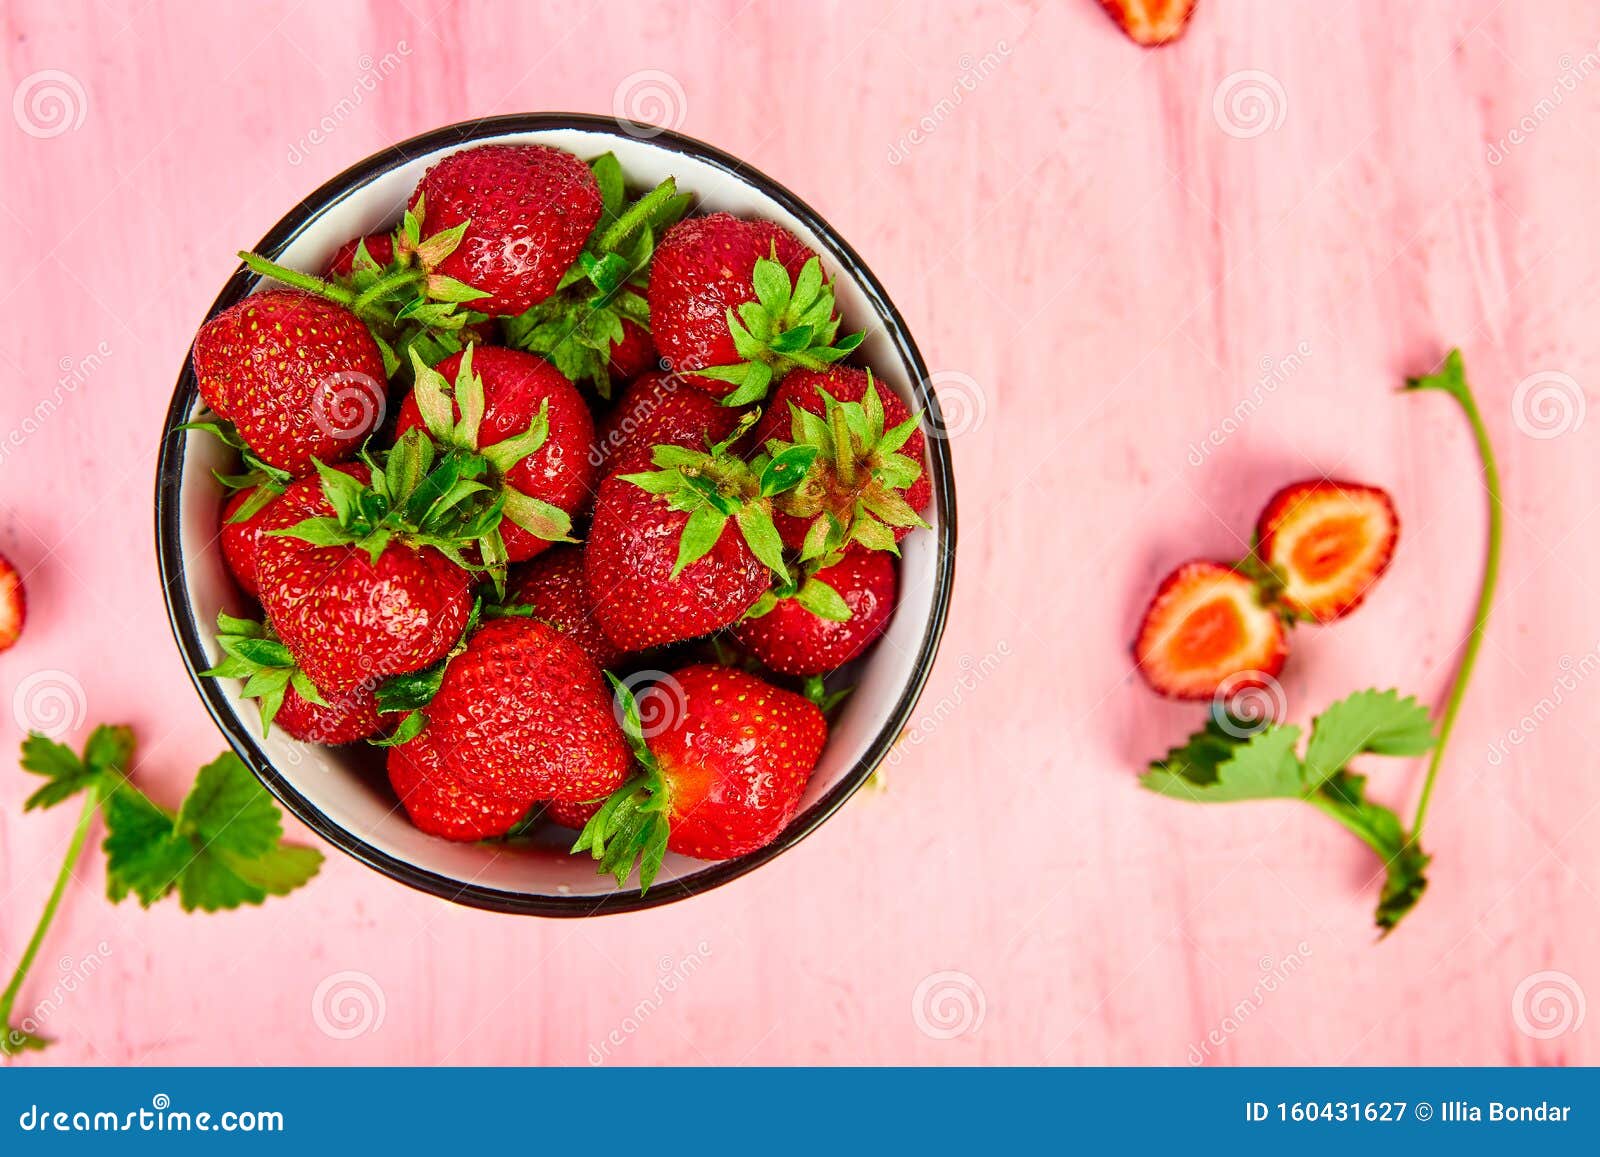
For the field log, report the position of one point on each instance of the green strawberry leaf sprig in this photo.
(576, 327)
(220, 849)
(1235, 759)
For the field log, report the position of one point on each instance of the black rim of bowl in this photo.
(188, 630)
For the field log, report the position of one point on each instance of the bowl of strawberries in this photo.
(556, 516)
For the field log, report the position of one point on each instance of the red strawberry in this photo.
(735, 304)
(1206, 625)
(530, 209)
(299, 377)
(437, 803)
(1151, 22)
(380, 247)
(657, 410)
(872, 477)
(572, 815)
(240, 540)
(13, 604)
(719, 780)
(631, 563)
(517, 387)
(635, 354)
(553, 586)
(1328, 542)
(352, 615)
(523, 712)
(832, 618)
(253, 653)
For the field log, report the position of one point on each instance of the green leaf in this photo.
(1344, 797)
(787, 469)
(823, 601)
(432, 394)
(209, 884)
(1376, 722)
(539, 518)
(700, 534)
(227, 807)
(1209, 770)
(505, 454)
(318, 532)
(107, 754)
(411, 691)
(772, 286)
(144, 855)
(607, 172)
(410, 727)
(755, 524)
(280, 871)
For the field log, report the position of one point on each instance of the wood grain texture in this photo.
(1100, 270)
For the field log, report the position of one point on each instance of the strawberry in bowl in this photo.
(562, 598)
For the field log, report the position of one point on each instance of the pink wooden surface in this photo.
(1100, 250)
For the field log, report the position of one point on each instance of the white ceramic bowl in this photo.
(343, 793)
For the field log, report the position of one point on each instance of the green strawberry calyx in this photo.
(436, 487)
(631, 828)
(714, 486)
(576, 327)
(854, 491)
(790, 325)
(266, 481)
(407, 304)
(252, 652)
(809, 591)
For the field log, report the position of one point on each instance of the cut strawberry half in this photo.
(1150, 22)
(13, 604)
(1327, 542)
(1207, 624)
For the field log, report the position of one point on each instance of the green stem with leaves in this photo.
(1452, 379)
(80, 838)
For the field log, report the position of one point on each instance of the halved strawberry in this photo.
(1328, 542)
(13, 604)
(1206, 623)
(1150, 22)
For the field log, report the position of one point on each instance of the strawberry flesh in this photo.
(553, 585)
(1151, 22)
(1328, 541)
(241, 541)
(531, 209)
(523, 712)
(299, 376)
(1205, 626)
(350, 621)
(346, 718)
(657, 410)
(793, 641)
(13, 604)
(703, 267)
(437, 802)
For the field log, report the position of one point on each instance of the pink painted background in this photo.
(1101, 249)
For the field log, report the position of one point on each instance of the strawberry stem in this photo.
(844, 455)
(297, 280)
(1452, 380)
(80, 836)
